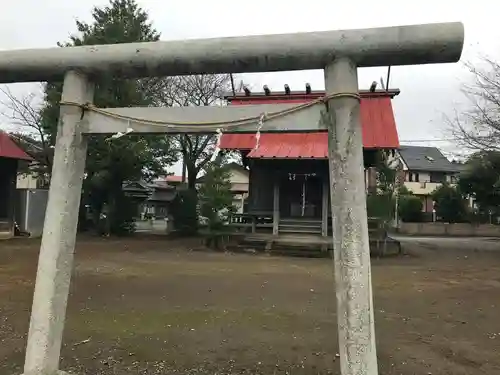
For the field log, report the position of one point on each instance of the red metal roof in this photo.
(291, 146)
(173, 178)
(9, 149)
(377, 122)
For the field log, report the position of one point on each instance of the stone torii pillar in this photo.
(339, 53)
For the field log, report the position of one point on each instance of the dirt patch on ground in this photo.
(151, 306)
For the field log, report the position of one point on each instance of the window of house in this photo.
(42, 182)
(413, 177)
(438, 177)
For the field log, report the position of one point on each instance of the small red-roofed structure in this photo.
(289, 173)
(10, 155)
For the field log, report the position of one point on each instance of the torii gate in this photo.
(339, 53)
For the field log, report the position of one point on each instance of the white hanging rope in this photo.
(217, 145)
(259, 127)
(120, 134)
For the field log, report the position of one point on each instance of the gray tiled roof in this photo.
(427, 159)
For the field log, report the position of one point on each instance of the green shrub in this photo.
(450, 205)
(410, 208)
(380, 206)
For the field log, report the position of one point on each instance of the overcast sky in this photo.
(428, 93)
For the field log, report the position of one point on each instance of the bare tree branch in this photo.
(478, 128)
(25, 113)
(196, 90)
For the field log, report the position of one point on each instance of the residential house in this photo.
(425, 169)
(153, 199)
(289, 188)
(31, 180)
(27, 181)
(10, 157)
(173, 180)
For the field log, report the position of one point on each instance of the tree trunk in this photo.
(191, 176)
(96, 214)
(115, 189)
(183, 169)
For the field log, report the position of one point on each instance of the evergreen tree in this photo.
(216, 198)
(410, 208)
(480, 180)
(449, 204)
(110, 163)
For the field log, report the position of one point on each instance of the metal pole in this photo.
(276, 206)
(356, 330)
(55, 262)
(26, 210)
(304, 195)
(396, 209)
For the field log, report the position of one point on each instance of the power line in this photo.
(428, 140)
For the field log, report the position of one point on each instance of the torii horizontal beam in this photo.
(307, 119)
(398, 45)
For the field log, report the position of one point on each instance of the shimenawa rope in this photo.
(211, 125)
